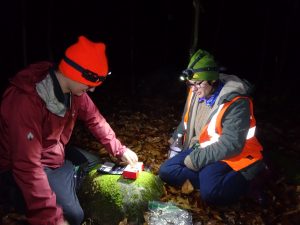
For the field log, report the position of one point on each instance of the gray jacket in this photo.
(235, 125)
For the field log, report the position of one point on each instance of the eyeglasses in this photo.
(197, 84)
(87, 74)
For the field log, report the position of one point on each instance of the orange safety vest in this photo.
(186, 116)
(252, 149)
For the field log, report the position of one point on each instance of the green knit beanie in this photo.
(202, 66)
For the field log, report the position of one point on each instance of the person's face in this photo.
(78, 89)
(200, 88)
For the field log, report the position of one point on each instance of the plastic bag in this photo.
(165, 213)
(176, 146)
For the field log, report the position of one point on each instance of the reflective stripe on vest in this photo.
(186, 116)
(251, 151)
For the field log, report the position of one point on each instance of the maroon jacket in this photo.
(33, 138)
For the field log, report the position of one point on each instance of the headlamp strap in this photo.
(206, 69)
(87, 74)
(74, 64)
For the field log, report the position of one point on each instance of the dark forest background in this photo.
(149, 41)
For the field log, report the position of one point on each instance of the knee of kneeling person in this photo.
(217, 199)
(163, 173)
(74, 215)
(210, 196)
(205, 195)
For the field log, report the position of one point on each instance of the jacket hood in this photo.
(233, 86)
(28, 77)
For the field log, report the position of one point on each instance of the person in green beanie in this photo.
(220, 153)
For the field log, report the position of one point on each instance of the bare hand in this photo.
(64, 223)
(129, 157)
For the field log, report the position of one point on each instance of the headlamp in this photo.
(188, 73)
(87, 74)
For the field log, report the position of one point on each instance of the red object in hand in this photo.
(132, 172)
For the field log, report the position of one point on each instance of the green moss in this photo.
(110, 197)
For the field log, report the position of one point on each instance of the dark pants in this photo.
(64, 182)
(218, 183)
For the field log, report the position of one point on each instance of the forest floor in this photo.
(145, 124)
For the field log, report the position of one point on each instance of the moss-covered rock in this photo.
(107, 199)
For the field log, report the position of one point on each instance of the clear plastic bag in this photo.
(165, 213)
(175, 147)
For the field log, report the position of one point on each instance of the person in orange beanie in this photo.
(37, 116)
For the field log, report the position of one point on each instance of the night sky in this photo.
(149, 41)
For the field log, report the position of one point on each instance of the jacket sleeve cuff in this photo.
(196, 160)
(189, 164)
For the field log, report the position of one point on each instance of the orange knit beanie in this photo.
(85, 62)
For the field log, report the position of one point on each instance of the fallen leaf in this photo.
(173, 190)
(123, 222)
(187, 187)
